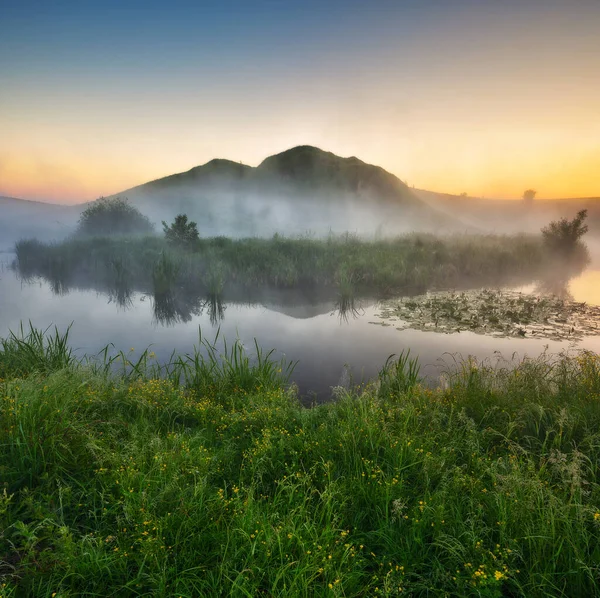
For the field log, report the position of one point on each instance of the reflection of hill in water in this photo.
(180, 304)
(302, 311)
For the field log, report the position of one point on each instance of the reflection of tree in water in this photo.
(118, 284)
(179, 305)
(173, 306)
(121, 296)
(59, 281)
(215, 308)
(347, 308)
(557, 286)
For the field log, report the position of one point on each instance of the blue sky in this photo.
(97, 96)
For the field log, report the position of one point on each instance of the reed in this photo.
(376, 267)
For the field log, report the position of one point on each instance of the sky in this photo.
(487, 97)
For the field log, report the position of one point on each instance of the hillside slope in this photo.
(298, 191)
(21, 218)
(500, 215)
(301, 190)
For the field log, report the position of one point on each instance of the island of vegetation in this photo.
(114, 250)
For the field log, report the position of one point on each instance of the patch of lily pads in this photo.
(497, 313)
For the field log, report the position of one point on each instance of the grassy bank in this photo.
(345, 264)
(214, 481)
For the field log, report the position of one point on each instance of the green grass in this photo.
(346, 265)
(212, 479)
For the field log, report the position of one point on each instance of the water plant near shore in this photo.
(221, 483)
(498, 313)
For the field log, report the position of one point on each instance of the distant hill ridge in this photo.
(308, 189)
(14, 201)
(303, 167)
(506, 215)
(303, 189)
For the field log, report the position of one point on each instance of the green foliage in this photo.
(113, 216)
(32, 351)
(563, 235)
(217, 482)
(346, 266)
(181, 232)
(399, 376)
(529, 195)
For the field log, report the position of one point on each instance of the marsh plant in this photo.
(400, 375)
(343, 265)
(32, 350)
(494, 312)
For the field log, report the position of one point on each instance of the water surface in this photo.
(330, 350)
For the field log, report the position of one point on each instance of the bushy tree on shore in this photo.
(113, 216)
(563, 238)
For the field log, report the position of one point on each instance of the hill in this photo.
(303, 189)
(23, 218)
(502, 215)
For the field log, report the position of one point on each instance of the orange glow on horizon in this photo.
(586, 288)
(486, 98)
(72, 179)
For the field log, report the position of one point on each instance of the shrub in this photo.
(181, 232)
(529, 196)
(563, 239)
(113, 216)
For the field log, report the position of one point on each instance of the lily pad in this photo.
(497, 313)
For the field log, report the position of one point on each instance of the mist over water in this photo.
(302, 192)
(332, 345)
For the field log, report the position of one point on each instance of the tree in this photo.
(529, 196)
(562, 235)
(563, 239)
(181, 232)
(114, 216)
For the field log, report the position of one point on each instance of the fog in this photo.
(252, 214)
(237, 214)
(301, 192)
(28, 219)
(298, 192)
